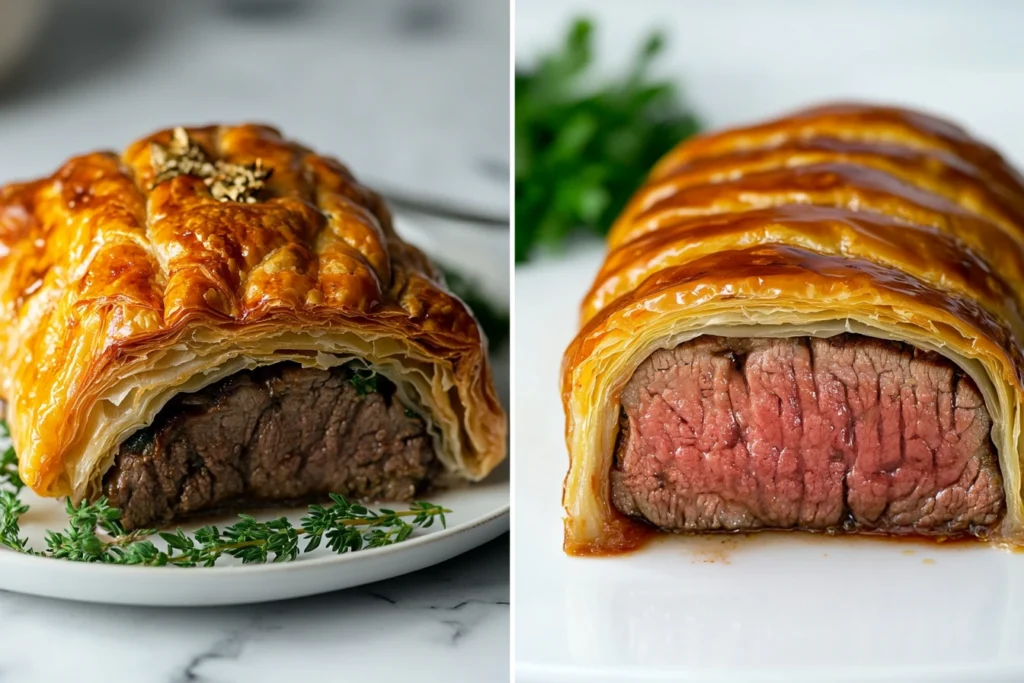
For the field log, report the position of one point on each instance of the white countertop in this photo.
(446, 623)
(414, 97)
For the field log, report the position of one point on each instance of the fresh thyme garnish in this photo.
(11, 510)
(9, 460)
(227, 181)
(95, 533)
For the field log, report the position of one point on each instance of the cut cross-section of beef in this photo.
(279, 433)
(842, 433)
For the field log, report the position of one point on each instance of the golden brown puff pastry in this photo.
(127, 280)
(809, 323)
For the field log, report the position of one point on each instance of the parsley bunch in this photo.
(581, 152)
(95, 533)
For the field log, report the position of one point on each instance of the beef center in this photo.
(844, 433)
(281, 433)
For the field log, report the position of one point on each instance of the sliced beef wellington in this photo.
(812, 323)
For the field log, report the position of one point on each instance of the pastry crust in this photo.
(846, 218)
(118, 293)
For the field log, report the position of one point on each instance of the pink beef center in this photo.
(846, 433)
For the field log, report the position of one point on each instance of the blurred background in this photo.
(412, 94)
(741, 60)
(736, 61)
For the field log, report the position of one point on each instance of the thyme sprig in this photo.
(11, 508)
(9, 460)
(95, 533)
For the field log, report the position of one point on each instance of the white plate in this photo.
(786, 607)
(480, 512)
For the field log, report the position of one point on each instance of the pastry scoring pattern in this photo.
(119, 288)
(845, 218)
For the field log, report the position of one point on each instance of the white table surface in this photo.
(414, 97)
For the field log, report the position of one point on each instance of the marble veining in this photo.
(229, 646)
(446, 623)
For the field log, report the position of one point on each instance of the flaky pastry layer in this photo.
(846, 218)
(118, 293)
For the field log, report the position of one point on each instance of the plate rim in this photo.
(13, 559)
(15, 564)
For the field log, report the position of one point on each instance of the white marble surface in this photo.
(446, 623)
(414, 96)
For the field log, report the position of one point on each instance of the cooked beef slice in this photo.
(279, 433)
(844, 433)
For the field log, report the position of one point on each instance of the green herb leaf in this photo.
(11, 509)
(582, 151)
(8, 460)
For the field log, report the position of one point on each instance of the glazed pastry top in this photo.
(221, 230)
(877, 220)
